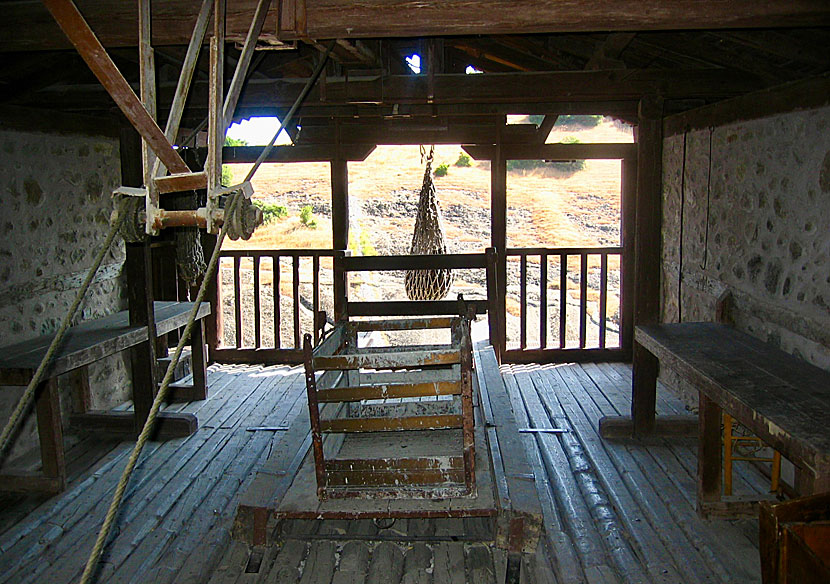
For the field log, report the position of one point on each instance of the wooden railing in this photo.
(543, 332)
(245, 332)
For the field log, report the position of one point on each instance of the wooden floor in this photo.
(614, 512)
(623, 511)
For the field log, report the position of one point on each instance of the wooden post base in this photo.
(168, 425)
(611, 427)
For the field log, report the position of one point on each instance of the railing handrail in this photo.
(250, 253)
(457, 261)
(525, 251)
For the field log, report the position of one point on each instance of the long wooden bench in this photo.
(84, 344)
(780, 398)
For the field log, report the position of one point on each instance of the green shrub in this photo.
(463, 161)
(271, 211)
(307, 217)
(441, 170)
(363, 246)
(227, 176)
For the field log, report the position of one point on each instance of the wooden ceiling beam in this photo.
(548, 87)
(379, 18)
(26, 27)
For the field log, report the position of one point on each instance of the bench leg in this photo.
(50, 432)
(198, 359)
(643, 391)
(708, 453)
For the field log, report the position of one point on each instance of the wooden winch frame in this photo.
(158, 153)
(339, 372)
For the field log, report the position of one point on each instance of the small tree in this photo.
(307, 217)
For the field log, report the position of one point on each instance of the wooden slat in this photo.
(391, 424)
(603, 298)
(452, 373)
(523, 302)
(295, 288)
(563, 299)
(377, 464)
(412, 307)
(388, 360)
(389, 391)
(543, 301)
(275, 271)
(89, 47)
(531, 251)
(413, 262)
(315, 300)
(175, 183)
(583, 300)
(403, 324)
(237, 301)
(257, 307)
(393, 478)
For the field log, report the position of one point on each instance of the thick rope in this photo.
(28, 395)
(161, 396)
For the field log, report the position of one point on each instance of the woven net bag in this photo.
(428, 239)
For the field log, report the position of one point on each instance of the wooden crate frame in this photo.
(338, 371)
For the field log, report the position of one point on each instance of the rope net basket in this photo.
(428, 239)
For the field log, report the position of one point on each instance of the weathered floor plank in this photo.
(614, 512)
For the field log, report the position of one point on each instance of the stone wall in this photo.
(55, 204)
(746, 208)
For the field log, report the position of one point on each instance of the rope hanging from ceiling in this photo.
(428, 239)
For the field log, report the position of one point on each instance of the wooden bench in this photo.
(781, 399)
(84, 344)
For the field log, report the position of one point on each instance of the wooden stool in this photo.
(729, 441)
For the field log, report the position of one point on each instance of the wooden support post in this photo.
(198, 361)
(708, 453)
(647, 257)
(214, 328)
(50, 431)
(498, 229)
(143, 356)
(644, 391)
(628, 220)
(216, 120)
(340, 203)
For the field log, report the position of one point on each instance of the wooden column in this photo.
(50, 431)
(647, 256)
(708, 453)
(139, 269)
(498, 229)
(140, 302)
(339, 203)
(214, 330)
(628, 218)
